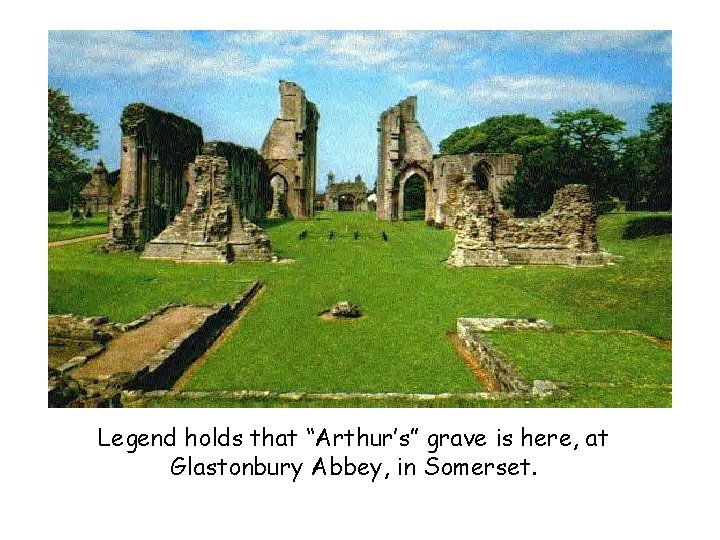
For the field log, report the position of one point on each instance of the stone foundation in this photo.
(68, 387)
(498, 368)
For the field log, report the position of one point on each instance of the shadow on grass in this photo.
(647, 226)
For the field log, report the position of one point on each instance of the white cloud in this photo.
(393, 49)
(170, 57)
(555, 89)
(432, 87)
(579, 41)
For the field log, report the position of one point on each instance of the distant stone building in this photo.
(97, 193)
(405, 154)
(348, 196)
(289, 150)
(319, 202)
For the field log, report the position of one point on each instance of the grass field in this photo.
(410, 301)
(61, 226)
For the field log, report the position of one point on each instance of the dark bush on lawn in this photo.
(647, 226)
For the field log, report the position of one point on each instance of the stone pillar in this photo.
(128, 168)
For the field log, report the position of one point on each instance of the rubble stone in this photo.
(229, 184)
(565, 234)
(156, 147)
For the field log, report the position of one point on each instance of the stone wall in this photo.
(454, 173)
(565, 234)
(403, 151)
(156, 147)
(501, 371)
(228, 184)
(69, 388)
(350, 196)
(290, 151)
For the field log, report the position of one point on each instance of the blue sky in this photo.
(227, 82)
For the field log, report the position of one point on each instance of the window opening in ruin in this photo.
(414, 198)
(481, 176)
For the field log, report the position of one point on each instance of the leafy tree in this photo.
(646, 161)
(634, 169)
(414, 194)
(583, 149)
(510, 133)
(68, 132)
(658, 138)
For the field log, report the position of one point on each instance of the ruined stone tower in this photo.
(290, 149)
(403, 151)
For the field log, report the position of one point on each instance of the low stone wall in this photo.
(501, 371)
(168, 365)
(160, 372)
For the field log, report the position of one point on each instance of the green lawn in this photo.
(410, 300)
(62, 227)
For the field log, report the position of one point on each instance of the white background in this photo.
(656, 478)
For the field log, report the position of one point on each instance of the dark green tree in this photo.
(634, 169)
(582, 149)
(510, 133)
(658, 136)
(68, 133)
(646, 162)
(414, 194)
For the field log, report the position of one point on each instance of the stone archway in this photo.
(346, 202)
(413, 173)
(414, 198)
(279, 187)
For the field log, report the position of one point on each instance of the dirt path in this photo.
(76, 240)
(131, 350)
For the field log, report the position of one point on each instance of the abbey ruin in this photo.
(346, 196)
(565, 234)
(155, 149)
(463, 192)
(405, 152)
(290, 151)
(184, 200)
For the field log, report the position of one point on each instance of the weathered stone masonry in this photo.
(403, 152)
(155, 150)
(349, 196)
(485, 171)
(97, 193)
(290, 150)
(565, 234)
(228, 188)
